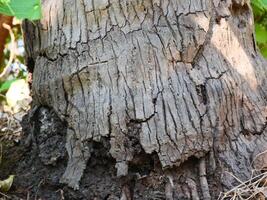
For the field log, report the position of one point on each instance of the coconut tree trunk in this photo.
(160, 99)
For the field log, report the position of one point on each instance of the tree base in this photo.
(40, 159)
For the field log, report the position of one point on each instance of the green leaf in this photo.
(6, 85)
(264, 52)
(264, 2)
(22, 9)
(259, 8)
(260, 4)
(261, 33)
(6, 184)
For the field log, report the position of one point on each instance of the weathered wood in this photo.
(178, 78)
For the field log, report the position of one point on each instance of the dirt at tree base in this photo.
(40, 158)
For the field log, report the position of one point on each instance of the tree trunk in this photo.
(153, 99)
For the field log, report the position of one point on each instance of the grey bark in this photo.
(178, 79)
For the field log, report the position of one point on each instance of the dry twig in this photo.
(12, 51)
(251, 189)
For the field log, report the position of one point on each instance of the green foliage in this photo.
(22, 9)
(259, 6)
(260, 16)
(6, 85)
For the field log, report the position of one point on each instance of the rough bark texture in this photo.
(171, 94)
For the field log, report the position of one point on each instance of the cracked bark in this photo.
(179, 81)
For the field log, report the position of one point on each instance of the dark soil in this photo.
(39, 159)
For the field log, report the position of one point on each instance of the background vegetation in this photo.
(260, 17)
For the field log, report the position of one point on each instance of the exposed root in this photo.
(203, 179)
(193, 187)
(126, 193)
(169, 191)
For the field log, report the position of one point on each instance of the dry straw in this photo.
(253, 189)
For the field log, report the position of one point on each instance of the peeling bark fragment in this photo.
(203, 179)
(193, 187)
(79, 153)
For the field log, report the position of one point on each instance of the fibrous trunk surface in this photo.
(177, 83)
